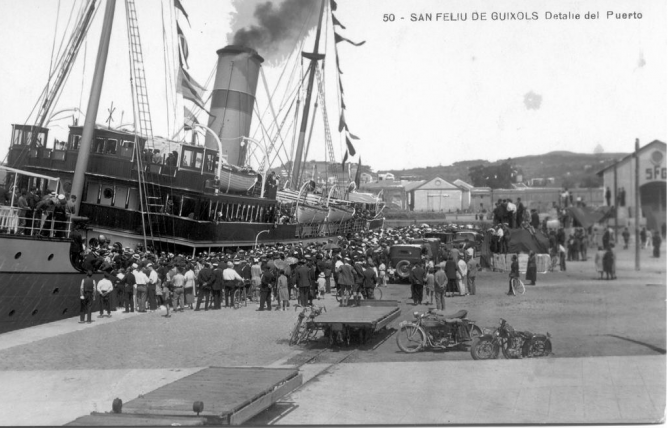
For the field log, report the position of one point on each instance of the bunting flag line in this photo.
(190, 120)
(338, 66)
(183, 44)
(345, 159)
(358, 173)
(338, 38)
(353, 136)
(333, 5)
(351, 149)
(191, 90)
(337, 22)
(342, 121)
(179, 6)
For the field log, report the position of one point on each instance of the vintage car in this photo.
(445, 237)
(402, 257)
(464, 237)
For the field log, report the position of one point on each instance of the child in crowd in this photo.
(166, 296)
(283, 293)
(321, 286)
(382, 272)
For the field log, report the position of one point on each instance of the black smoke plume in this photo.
(279, 27)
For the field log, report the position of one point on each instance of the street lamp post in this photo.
(258, 235)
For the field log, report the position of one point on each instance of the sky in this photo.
(422, 93)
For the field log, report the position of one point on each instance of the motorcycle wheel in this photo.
(411, 338)
(506, 352)
(541, 347)
(296, 333)
(475, 333)
(484, 349)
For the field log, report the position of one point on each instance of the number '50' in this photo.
(388, 17)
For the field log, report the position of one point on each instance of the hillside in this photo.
(568, 169)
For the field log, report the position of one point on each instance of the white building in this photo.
(652, 184)
(434, 195)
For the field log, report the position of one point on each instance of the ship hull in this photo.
(38, 284)
(30, 299)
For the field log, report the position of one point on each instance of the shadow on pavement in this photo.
(647, 345)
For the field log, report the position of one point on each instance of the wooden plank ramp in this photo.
(359, 316)
(231, 396)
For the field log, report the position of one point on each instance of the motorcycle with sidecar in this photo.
(433, 329)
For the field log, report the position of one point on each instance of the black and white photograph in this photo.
(452, 213)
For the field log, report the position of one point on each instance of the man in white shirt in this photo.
(511, 209)
(499, 239)
(230, 279)
(141, 281)
(104, 289)
(462, 275)
(153, 282)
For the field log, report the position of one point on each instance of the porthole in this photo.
(17, 255)
(108, 193)
(55, 290)
(12, 312)
(50, 257)
(64, 311)
(34, 312)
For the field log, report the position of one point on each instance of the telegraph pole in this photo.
(637, 203)
(616, 204)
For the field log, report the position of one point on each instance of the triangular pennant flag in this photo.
(358, 173)
(333, 4)
(336, 22)
(342, 121)
(352, 136)
(183, 44)
(189, 118)
(190, 89)
(338, 38)
(343, 104)
(340, 85)
(345, 159)
(351, 149)
(337, 65)
(179, 6)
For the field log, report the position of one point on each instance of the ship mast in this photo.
(93, 104)
(314, 57)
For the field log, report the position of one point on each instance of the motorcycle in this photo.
(436, 331)
(512, 343)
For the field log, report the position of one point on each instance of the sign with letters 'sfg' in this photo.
(652, 166)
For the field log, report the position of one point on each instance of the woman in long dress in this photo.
(599, 261)
(531, 268)
(189, 286)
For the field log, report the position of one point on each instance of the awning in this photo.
(586, 216)
(28, 173)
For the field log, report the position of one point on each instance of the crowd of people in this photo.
(352, 266)
(145, 280)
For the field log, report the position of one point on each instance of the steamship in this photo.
(148, 192)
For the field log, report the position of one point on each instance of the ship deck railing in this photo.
(12, 222)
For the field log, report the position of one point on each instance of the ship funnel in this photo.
(233, 99)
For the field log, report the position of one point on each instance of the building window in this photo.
(127, 149)
(110, 147)
(98, 145)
